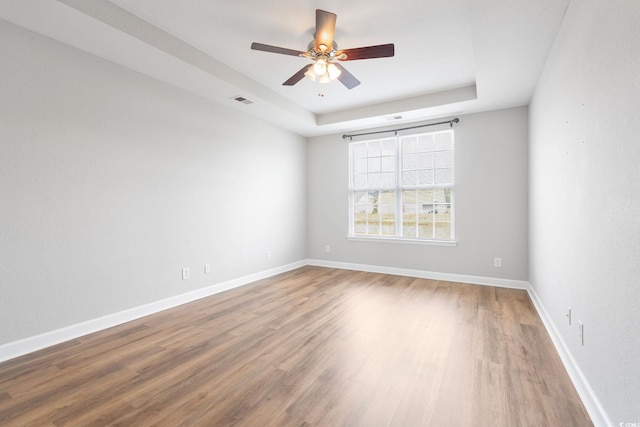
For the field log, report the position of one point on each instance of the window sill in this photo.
(399, 240)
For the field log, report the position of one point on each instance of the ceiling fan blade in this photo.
(297, 76)
(369, 52)
(346, 78)
(276, 49)
(325, 27)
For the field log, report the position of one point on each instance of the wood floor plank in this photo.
(311, 347)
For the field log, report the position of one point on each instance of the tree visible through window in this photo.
(402, 187)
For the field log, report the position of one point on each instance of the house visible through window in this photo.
(402, 187)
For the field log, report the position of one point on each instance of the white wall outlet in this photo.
(569, 315)
(207, 268)
(268, 255)
(185, 273)
(581, 332)
(497, 262)
(327, 248)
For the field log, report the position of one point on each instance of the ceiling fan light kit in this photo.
(324, 69)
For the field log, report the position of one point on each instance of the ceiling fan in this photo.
(324, 52)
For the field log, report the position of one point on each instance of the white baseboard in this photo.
(27, 345)
(38, 342)
(590, 401)
(422, 274)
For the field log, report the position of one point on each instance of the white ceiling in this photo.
(451, 56)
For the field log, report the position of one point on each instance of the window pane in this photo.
(425, 143)
(373, 164)
(361, 210)
(409, 196)
(375, 150)
(443, 141)
(359, 150)
(445, 195)
(443, 159)
(426, 196)
(360, 166)
(389, 147)
(409, 178)
(360, 201)
(387, 211)
(409, 213)
(410, 162)
(388, 164)
(360, 224)
(426, 160)
(442, 213)
(425, 177)
(443, 176)
(442, 208)
(441, 195)
(388, 180)
(389, 227)
(374, 180)
(387, 198)
(443, 230)
(410, 144)
(360, 181)
(425, 226)
(409, 230)
(373, 226)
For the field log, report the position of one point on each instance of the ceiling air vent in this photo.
(243, 100)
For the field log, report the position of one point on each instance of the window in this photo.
(402, 187)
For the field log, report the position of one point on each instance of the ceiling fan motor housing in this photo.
(313, 52)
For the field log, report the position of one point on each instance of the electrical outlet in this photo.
(497, 262)
(185, 273)
(207, 268)
(327, 248)
(569, 315)
(268, 255)
(581, 332)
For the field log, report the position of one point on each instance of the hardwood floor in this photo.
(312, 347)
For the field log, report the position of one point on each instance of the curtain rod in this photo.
(451, 122)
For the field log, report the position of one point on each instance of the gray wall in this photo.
(491, 203)
(111, 182)
(585, 196)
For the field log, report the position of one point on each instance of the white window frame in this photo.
(398, 187)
